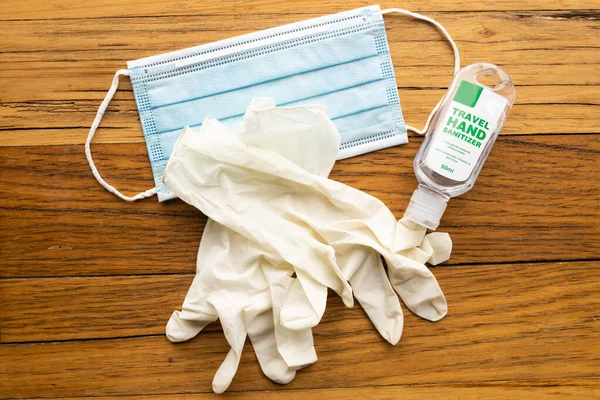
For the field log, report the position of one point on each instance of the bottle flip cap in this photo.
(426, 208)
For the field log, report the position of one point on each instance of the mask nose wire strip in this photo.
(454, 50)
(88, 152)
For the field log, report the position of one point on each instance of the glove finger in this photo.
(195, 314)
(440, 246)
(305, 303)
(261, 331)
(417, 287)
(295, 346)
(233, 329)
(180, 329)
(373, 291)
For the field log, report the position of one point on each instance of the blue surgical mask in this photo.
(340, 61)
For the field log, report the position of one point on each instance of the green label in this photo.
(468, 94)
(463, 129)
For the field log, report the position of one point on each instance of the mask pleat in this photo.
(255, 66)
(303, 88)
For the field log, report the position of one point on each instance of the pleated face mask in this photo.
(340, 61)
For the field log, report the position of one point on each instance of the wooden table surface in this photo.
(89, 281)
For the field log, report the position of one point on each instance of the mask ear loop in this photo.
(88, 152)
(454, 50)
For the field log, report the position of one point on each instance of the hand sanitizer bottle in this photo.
(459, 140)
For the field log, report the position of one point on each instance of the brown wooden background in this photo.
(88, 281)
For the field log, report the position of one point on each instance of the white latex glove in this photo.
(315, 266)
(224, 253)
(235, 284)
(267, 127)
(307, 221)
(364, 269)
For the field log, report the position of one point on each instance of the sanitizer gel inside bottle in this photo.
(459, 140)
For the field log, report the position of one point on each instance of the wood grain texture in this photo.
(541, 205)
(73, 61)
(71, 9)
(128, 36)
(491, 392)
(43, 309)
(526, 323)
(27, 123)
(73, 83)
(87, 282)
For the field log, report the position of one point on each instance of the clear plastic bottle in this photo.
(459, 140)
